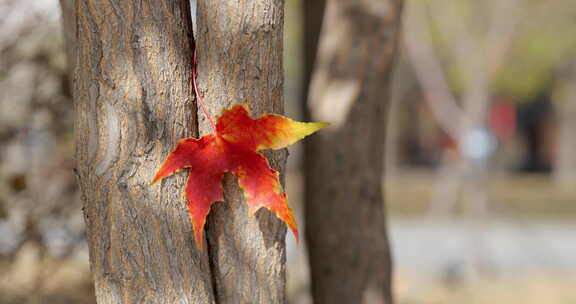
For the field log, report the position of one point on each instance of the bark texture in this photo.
(345, 223)
(240, 61)
(133, 102)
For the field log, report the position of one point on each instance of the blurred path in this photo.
(436, 247)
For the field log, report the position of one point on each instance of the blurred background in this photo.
(478, 212)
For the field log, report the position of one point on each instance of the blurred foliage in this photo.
(544, 39)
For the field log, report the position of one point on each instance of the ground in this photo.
(528, 203)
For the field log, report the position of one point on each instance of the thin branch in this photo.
(478, 58)
(470, 56)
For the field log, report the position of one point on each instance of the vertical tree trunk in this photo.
(133, 102)
(69, 33)
(345, 224)
(313, 16)
(565, 160)
(240, 61)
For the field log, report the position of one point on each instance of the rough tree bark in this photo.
(240, 61)
(132, 94)
(133, 102)
(345, 223)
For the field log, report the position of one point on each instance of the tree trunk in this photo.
(240, 61)
(565, 160)
(345, 223)
(313, 16)
(69, 33)
(133, 102)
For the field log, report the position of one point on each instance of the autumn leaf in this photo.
(234, 148)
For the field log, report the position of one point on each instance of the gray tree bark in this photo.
(240, 61)
(132, 91)
(345, 223)
(133, 102)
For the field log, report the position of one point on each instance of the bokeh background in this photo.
(488, 219)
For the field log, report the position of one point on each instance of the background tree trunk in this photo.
(313, 17)
(133, 102)
(565, 160)
(69, 33)
(345, 224)
(565, 163)
(240, 61)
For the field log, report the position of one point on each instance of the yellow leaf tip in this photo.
(308, 128)
(322, 125)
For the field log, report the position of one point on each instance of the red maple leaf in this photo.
(234, 148)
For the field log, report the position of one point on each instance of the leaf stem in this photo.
(199, 97)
